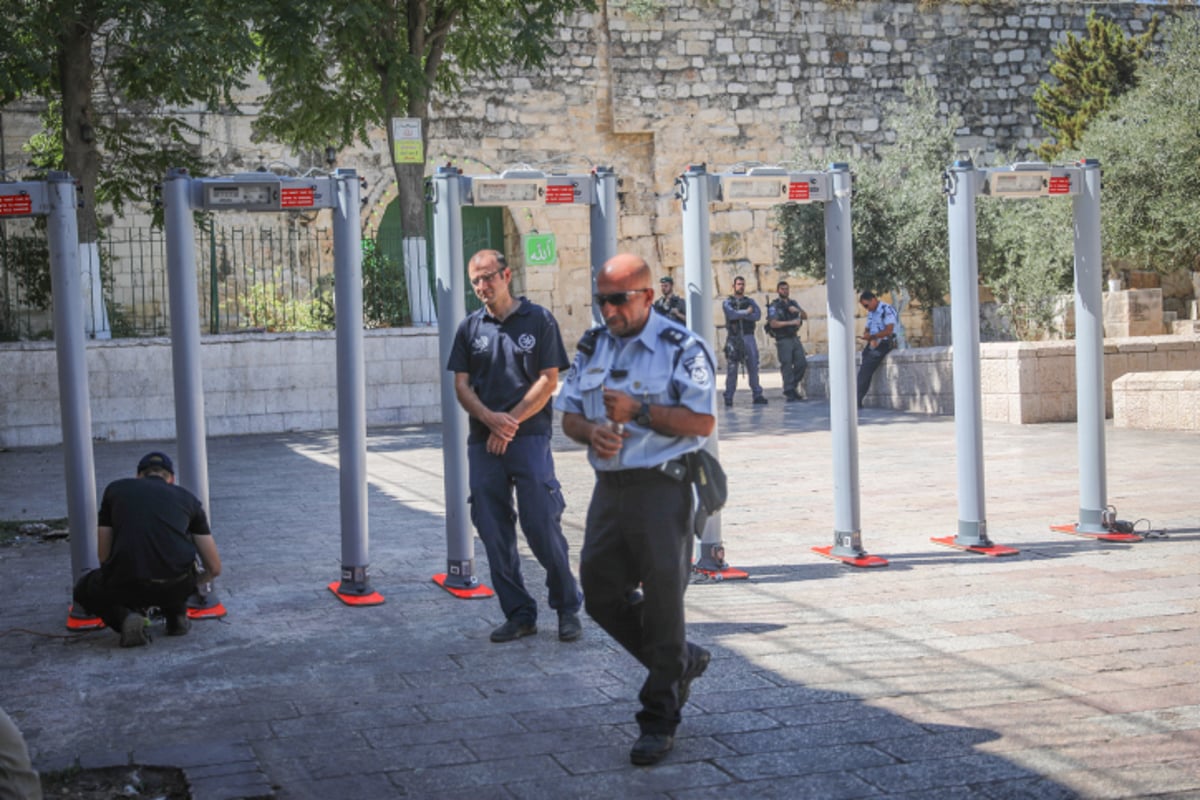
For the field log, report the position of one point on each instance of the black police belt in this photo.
(676, 469)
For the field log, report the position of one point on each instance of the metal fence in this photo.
(260, 277)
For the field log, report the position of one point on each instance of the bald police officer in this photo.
(641, 395)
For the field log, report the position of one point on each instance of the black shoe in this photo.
(650, 748)
(513, 629)
(178, 624)
(695, 668)
(760, 401)
(133, 630)
(792, 397)
(729, 402)
(569, 627)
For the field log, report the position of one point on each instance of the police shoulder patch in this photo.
(697, 369)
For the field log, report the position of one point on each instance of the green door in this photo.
(482, 229)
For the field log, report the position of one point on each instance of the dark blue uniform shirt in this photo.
(503, 359)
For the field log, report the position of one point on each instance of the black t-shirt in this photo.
(153, 523)
(503, 359)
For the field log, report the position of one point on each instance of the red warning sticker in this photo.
(13, 204)
(296, 197)
(561, 193)
(798, 191)
(1060, 184)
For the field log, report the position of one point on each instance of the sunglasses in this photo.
(617, 298)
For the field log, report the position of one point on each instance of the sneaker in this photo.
(760, 401)
(569, 627)
(513, 629)
(695, 668)
(133, 630)
(650, 748)
(178, 624)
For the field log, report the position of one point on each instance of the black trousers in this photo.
(112, 601)
(638, 532)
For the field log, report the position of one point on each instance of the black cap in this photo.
(156, 461)
(666, 279)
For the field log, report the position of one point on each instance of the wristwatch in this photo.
(643, 415)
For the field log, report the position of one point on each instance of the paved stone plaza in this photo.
(1069, 670)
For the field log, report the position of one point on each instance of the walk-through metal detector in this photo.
(267, 192)
(449, 190)
(1081, 182)
(769, 186)
(55, 198)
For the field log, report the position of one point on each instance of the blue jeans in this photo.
(527, 467)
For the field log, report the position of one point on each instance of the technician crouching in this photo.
(150, 533)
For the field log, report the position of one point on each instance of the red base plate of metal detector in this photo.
(1107, 536)
(372, 599)
(476, 593)
(726, 574)
(82, 623)
(211, 612)
(861, 561)
(993, 550)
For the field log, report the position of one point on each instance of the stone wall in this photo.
(1158, 400)
(253, 383)
(1020, 382)
(715, 81)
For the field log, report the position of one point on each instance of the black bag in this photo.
(712, 490)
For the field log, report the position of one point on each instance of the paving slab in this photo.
(1068, 670)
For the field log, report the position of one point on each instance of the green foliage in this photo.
(379, 59)
(1149, 150)
(1026, 257)
(1090, 74)
(267, 304)
(898, 214)
(385, 290)
(127, 62)
(27, 259)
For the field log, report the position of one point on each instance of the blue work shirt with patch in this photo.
(665, 364)
(503, 359)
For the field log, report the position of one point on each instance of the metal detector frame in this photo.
(769, 186)
(449, 190)
(1080, 182)
(55, 198)
(267, 192)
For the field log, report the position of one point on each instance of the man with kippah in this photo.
(150, 533)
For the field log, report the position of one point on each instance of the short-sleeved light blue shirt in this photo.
(665, 364)
(881, 317)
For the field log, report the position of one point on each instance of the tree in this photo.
(374, 60)
(106, 70)
(1091, 73)
(898, 214)
(1149, 150)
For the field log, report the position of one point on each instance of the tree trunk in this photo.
(80, 157)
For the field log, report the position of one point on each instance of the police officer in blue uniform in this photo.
(505, 359)
(880, 337)
(641, 395)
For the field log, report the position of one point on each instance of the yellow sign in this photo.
(406, 141)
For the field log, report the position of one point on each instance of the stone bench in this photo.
(1168, 400)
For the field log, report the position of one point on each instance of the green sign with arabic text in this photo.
(540, 250)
